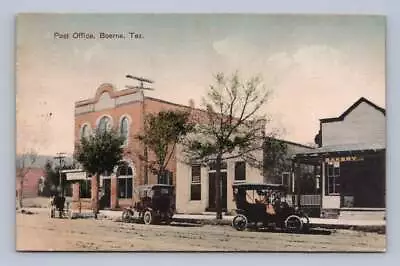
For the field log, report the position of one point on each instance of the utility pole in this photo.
(60, 156)
(141, 88)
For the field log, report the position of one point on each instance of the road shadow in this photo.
(178, 224)
(311, 231)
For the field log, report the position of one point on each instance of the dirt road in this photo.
(37, 232)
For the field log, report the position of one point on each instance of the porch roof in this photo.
(344, 148)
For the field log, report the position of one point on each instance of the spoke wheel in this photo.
(240, 222)
(148, 218)
(293, 224)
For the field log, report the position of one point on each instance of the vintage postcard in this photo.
(200, 132)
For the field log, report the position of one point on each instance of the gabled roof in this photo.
(351, 108)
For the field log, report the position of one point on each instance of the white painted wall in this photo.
(365, 124)
(330, 202)
(105, 102)
(183, 181)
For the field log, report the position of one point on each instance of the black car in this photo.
(154, 204)
(264, 205)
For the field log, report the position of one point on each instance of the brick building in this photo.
(32, 179)
(124, 111)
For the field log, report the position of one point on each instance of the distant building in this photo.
(350, 161)
(31, 185)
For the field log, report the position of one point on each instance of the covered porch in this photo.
(352, 178)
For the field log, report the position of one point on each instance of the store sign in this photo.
(344, 159)
(76, 175)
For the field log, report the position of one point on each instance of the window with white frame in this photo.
(195, 184)
(240, 171)
(333, 174)
(123, 129)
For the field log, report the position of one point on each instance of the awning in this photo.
(345, 148)
(316, 155)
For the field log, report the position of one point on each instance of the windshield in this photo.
(162, 191)
(263, 196)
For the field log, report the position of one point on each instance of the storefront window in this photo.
(125, 188)
(85, 188)
(333, 178)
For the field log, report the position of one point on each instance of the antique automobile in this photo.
(265, 205)
(154, 204)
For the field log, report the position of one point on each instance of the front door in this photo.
(105, 200)
(211, 191)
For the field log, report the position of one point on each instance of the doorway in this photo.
(211, 191)
(105, 200)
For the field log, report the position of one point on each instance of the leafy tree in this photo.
(24, 164)
(276, 159)
(99, 154)
(162, 132)
(232, 127)
(52, 177)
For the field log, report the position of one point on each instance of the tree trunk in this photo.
(95, 194)
(218, 206)
(19, 194)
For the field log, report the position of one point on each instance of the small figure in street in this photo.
(57, 203)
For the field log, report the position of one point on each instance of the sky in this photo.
(316, 66)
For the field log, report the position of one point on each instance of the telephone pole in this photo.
(141, 88)
(60, 156)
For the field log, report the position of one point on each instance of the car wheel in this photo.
(293, 224)
(126, 216)
(148, 217)
(240, 222)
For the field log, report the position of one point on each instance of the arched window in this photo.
(125, 178)
(85, 131)
(104, 124)
(124, 129)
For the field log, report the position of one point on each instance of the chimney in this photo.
(191, 103)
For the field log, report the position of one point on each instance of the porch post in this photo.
(297, 187)
(293, 177)
(95, 191)
(323, 179)
(76, 204)
(114, 192)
